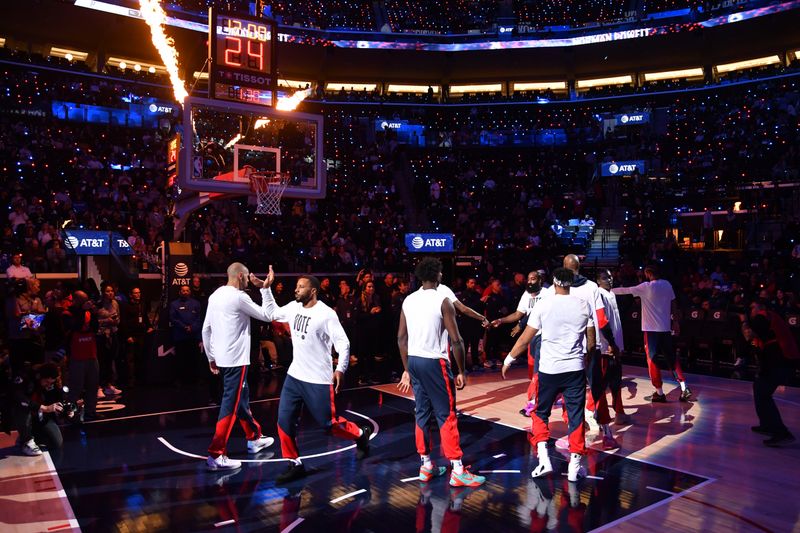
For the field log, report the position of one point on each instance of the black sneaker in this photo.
(294, 472)
(761, 430)
(656, 398)
(686, 395)
(362, 442)
(779, 440)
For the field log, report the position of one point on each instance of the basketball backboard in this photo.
(226, 141)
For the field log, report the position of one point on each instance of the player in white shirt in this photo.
(310, 382)
(658, 309)
(566, 323)
(533, 293)
(609, 367)
(428, 317)
(226, 339)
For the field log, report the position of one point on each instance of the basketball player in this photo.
(425, 316)
(658, 306)
(566, 323)
(608, 369)
(226, 339)
(587, 289)
(310, 382)
(533, 293)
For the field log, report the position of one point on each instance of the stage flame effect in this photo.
(154, 15)
(290, 103)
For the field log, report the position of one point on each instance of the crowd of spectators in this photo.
(543, 13)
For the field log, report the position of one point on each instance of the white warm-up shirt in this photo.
(656, 299)
(226, 329)
(528, 300)
(446, 291)
(314, 330)
(562, 319)
(427, 336)
(612, 314)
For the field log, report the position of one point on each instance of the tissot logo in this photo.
(122, 243)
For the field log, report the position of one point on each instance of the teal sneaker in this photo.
(466, 479)
(427, 474)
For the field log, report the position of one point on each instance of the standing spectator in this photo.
(495, 308)
(135, 324)
(471, 331)
(80, 321)
(25, 327)
(325, 295)
(346, 311)
(368, 308)
(17, 270)
(199, 292)
(108, 318)
(185, 315)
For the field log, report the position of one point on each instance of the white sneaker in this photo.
(100, 393)
(591, 420)
(223, 462)
(111, 390)
(575, 470)
(544, 467)
(256, 445)
(31, 449)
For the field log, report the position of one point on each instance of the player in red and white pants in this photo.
(427, 320)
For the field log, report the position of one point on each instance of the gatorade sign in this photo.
(429, 242)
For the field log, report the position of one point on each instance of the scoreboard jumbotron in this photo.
(242, 55)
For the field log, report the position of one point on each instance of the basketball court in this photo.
(680, 467)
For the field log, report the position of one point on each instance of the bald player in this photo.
(588, 291)
(226, 338)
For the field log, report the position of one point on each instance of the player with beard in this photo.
(533, 293)
(309, 380)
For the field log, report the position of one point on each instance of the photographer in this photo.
(25, 331)
(37, 405)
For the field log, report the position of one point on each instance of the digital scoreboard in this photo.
(242, 55)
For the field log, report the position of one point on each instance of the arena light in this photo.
(64, 52)
(155, 17)
(478, 88)
(748, 63)
(200, 75)
(681, 74)
(414, 89)
(114, 61)
(350, 86)
(601, 82)
(137, 67)
(294, 84)
(2, 42)
(290, 103)
(540, 86)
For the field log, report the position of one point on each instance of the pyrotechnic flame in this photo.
(154, 15)
(233, 141)
(290, 103)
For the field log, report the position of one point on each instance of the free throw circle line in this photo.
(375, 426)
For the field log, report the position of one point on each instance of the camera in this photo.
(71, 409)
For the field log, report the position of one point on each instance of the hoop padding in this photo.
(269, 188)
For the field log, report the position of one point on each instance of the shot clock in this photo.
(242, 57)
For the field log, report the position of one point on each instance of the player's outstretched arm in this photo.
(402, 345)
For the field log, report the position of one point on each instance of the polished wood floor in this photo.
(755, 488)
(749, 487)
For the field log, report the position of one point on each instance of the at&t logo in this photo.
(181, 269)
(417, 242)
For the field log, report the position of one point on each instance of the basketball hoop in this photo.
(269, 188)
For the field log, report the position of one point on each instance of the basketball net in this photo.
(269, 188)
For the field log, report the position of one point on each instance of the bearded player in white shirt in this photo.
(226, 339)
(309, 382)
